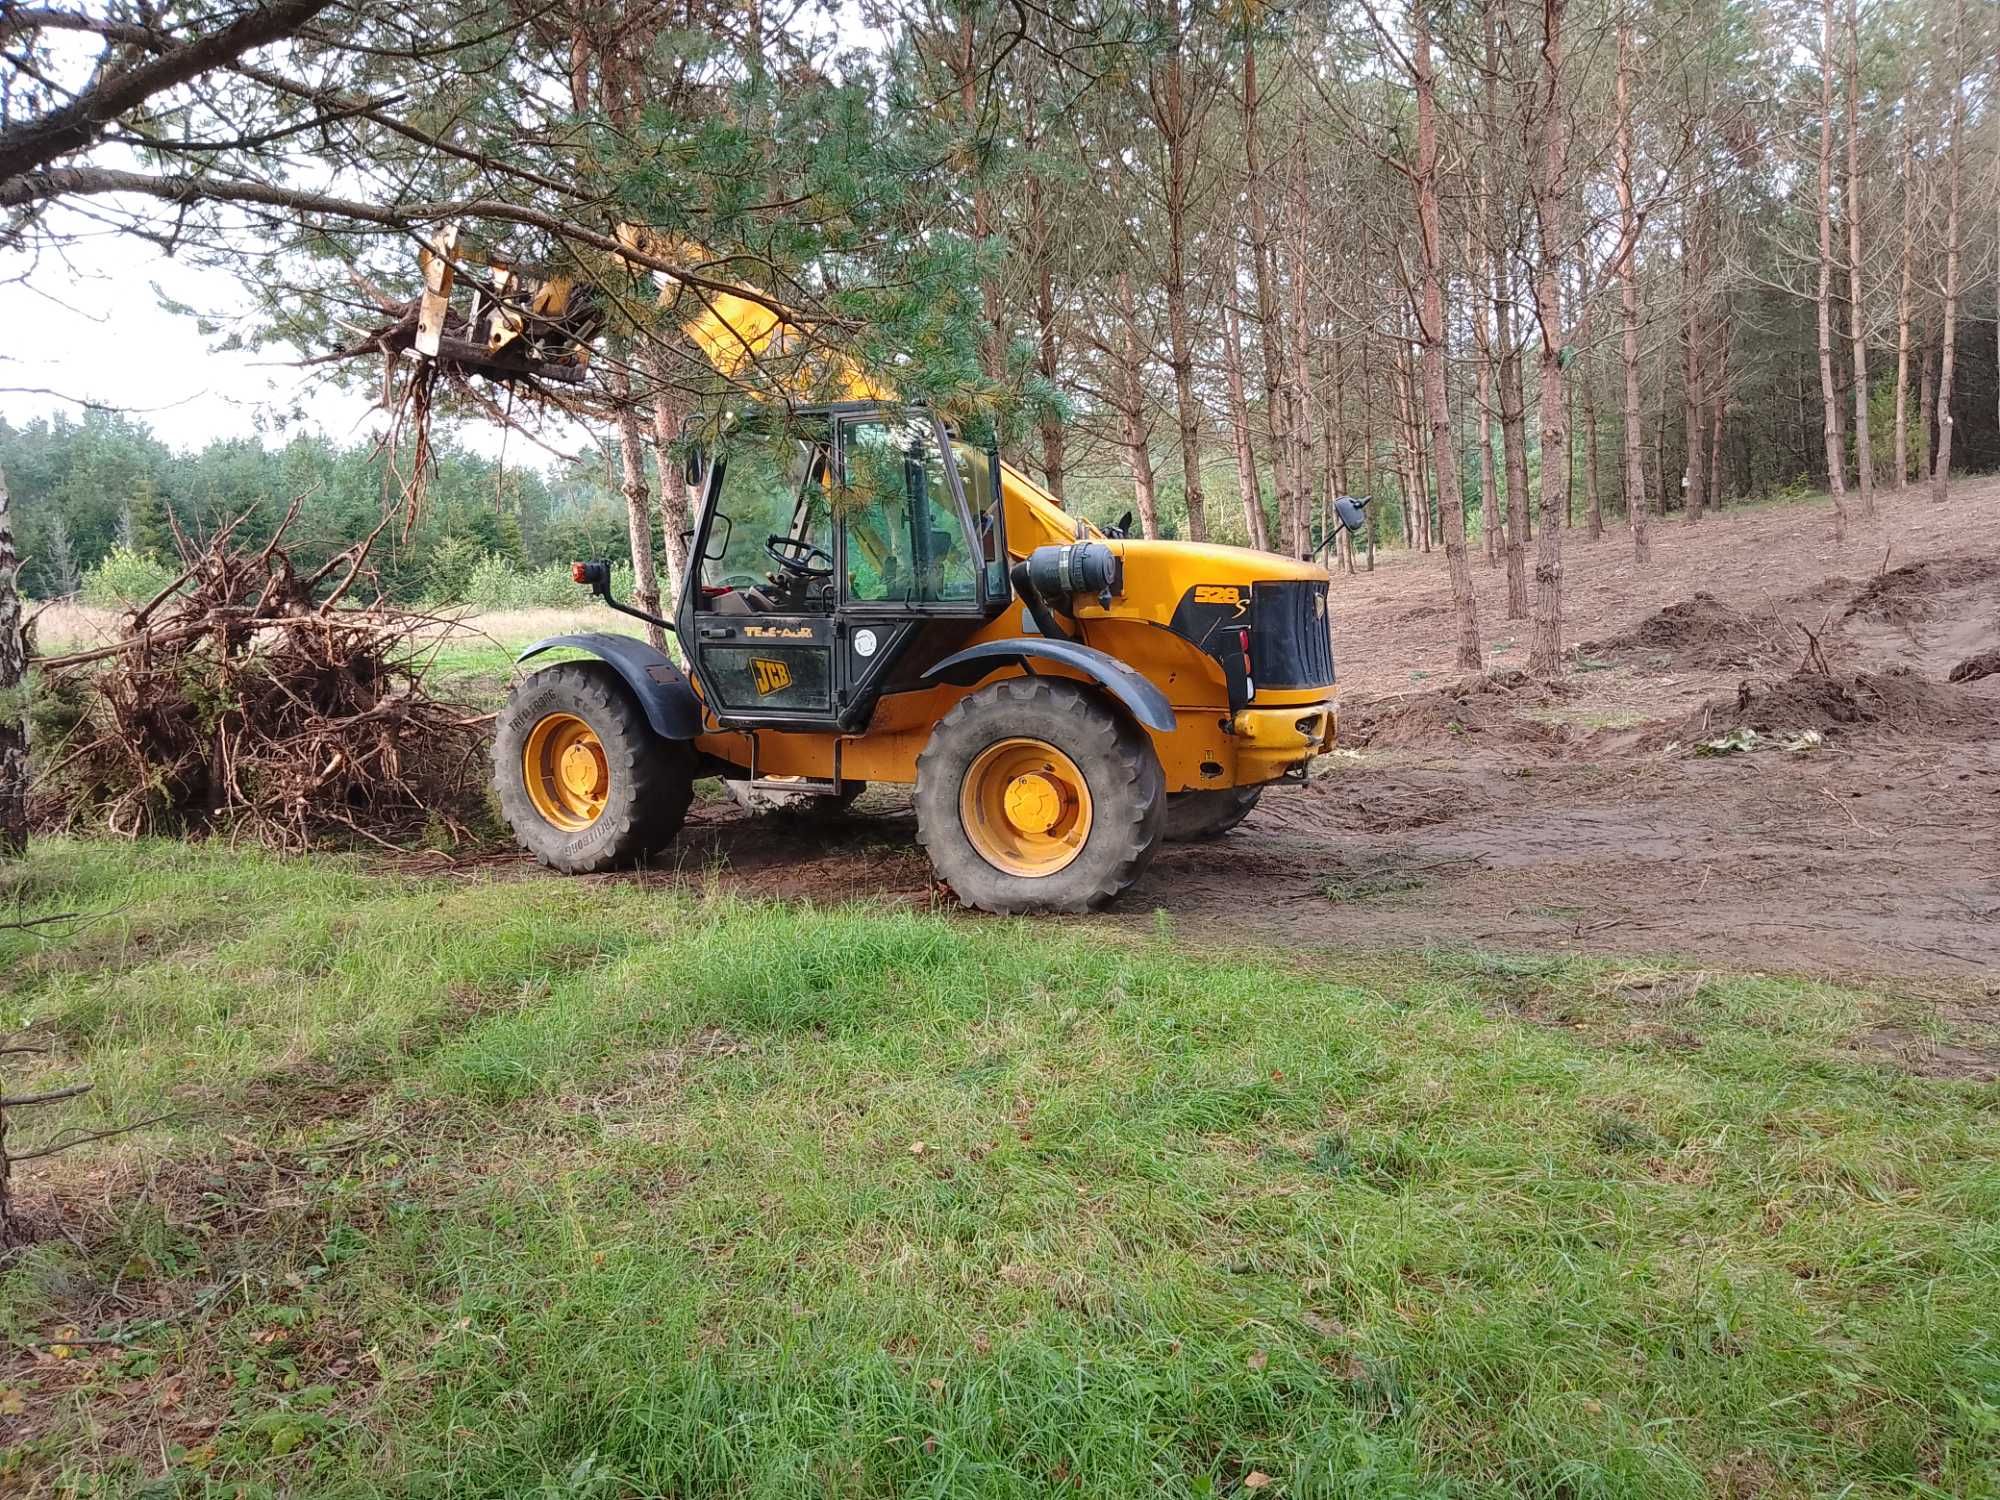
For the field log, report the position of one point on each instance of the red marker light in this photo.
(1243, 637)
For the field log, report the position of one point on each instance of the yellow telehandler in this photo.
(870, 598)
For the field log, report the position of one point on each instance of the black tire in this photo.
(650, 781)
(1198, 815)
(1128, 802)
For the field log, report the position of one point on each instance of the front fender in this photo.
(1141, 698)
(662, 690)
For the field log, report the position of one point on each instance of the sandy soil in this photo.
(1584, 817)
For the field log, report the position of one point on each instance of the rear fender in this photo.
(1141, 698)
(670, 705)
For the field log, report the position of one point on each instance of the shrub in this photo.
(493, 583)
(124, 579)
(449, 569)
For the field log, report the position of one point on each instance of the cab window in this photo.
(905, 540)
(771, 488)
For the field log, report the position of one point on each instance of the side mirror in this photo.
(1350, 511)
(694, 456)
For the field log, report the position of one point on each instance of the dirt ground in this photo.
(1586, 817)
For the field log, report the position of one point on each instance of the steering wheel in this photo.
(799, 557)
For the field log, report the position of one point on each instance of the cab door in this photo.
(760, 627)
(910, 568)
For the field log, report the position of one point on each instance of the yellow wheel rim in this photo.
(568, 779)
(1025, 807)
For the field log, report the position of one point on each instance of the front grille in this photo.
(1291, 637)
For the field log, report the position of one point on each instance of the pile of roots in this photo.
(1701, 632)
(1897, 701)
(1911, 593)
(249, 699)
(1496, 711)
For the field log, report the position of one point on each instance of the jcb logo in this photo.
(772, 676)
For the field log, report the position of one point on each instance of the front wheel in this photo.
(1196, 816)
(1035, 795)
(582, 779)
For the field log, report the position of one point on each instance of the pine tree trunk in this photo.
(1431, 324)
(1131, 399)
(638, 503)
(1857, 314)
(1305, 443)
(1172, 112)
(1513, 400)
(1551, 194)
(1903, 313)
(1628, 303)
(1656, 479)
(1336, 423)
(1489, 487)
(1368, 437)
(1593, 494)
(1947, 359)
(1718, 406)
(1239, 431)
(1180, 337)
(669, 411)
(967, 73)
(13, 692)
(1408, 446)
(1926, 410)
(1482, 369)
(1694, 262)
(1514, 450)
(1048, 348)
(1836, 480)
(1270, 331)
(1420, 450)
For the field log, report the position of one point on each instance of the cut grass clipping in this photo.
(554, 1188)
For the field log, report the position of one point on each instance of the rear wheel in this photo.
(1035, 795)
(1198, 815)
(582, 779)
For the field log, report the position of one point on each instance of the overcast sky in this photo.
(93, 329)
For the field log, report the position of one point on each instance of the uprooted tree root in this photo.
(1701, 632)
(1495, 711)
(1897, 701)
(240, 701)
(1908, 594)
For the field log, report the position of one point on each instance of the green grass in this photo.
(564, 1188)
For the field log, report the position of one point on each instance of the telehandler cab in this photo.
(873, 598)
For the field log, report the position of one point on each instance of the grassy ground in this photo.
(563, 1188)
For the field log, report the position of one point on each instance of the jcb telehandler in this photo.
(873, 598)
